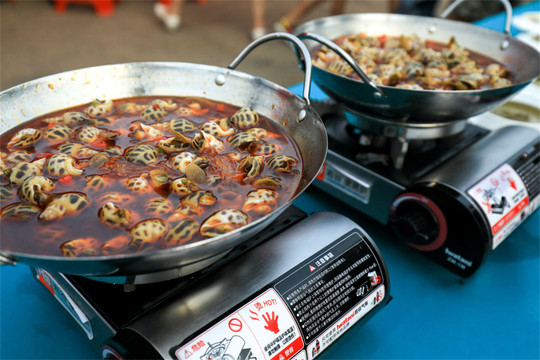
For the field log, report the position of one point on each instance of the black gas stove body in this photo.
(291, 291)
(454, 198)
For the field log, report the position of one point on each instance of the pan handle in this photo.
(303, 57)
(7, 260)
(377, 91)
(507, 24)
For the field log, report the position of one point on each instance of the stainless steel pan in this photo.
(421, 106)
(294, 114)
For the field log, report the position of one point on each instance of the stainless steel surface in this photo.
(397, 129)
(484, 156)
(422, 106)
(366, 190)
(98, 328)
(132, 280)
(399, 134)
(507, 23)
(304, 57)
(210, 299)
(42, 96)
(7, 260)
(377, 92)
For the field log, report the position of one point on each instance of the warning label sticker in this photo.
(503, 198)
(326, 288)
(302, 312)
(262, 329)
(344, 323)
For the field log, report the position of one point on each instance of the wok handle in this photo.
(7, 260)
(304, 57)
(377, 91)
(507, 24)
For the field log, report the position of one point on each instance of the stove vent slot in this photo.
(528, 168)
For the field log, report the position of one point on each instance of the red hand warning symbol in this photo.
(512, 183)
(271, 322)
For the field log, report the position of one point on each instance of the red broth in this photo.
(225, 182)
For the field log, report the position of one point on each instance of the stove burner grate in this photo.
(379, 153)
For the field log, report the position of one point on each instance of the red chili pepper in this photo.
(200, 111)
(66, 180)
(98, 143)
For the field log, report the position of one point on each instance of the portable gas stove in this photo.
(288, 293)
(453, 191)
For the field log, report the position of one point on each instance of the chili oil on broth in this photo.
(412, 63)
(171, 206)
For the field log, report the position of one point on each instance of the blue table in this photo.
(434, 314)
(496, 22)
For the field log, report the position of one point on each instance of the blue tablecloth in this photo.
(496, 22)
(434, 314)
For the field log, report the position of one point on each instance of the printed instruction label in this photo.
(503, 198)
(345, 323)
(302, 312)
(321, 291)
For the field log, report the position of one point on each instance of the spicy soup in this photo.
(136, 174)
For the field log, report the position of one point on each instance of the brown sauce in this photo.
(225, 181)
(411, 63)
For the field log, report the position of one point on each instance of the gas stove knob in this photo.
(415, 224)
